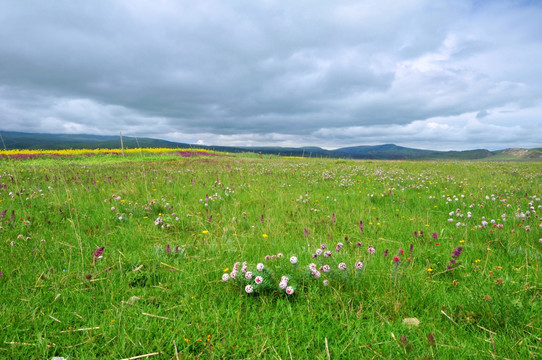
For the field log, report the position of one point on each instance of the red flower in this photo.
(396, 259)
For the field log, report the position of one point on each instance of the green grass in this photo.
(139, 299)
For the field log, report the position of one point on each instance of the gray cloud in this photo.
(420, 73)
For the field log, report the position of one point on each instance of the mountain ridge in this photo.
(46, 141)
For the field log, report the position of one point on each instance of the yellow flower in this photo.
(205, 232)
(426, 225)
(429, 269)
(226, 269)
(264, 236)
(477, 260)
(461, 241)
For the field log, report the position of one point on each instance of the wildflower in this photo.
(265, 236)
(456, 252)
(402, 251)
(283, 285)
(415, 234)
(326, 282)
(225, 277)
(249, 289)
(361, 225)
(258, 279)
(233, 274)
(205, 232)
(359, 244)
(306, 232)
(1, 274)
(323, 246)
(318, 252)
(259, 267)
(429, 270)
(226, 270)
(267, 257)
(386, 253)
(248, 275)
(98, 253)
(168, 249)
(396, 259)
(279, 255)
(342, 266)
(359, 265)
(435, 235)
(316, 274)
(327, 253)
(371, 249)
(312, 266)
(326, 268)
(293, 260)
(289, 290)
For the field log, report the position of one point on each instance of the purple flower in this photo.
(386, 252)
(415, 234)
(371, 249)
(3, 213)
(98, 253)
(333, 218)
(1, 274)
(306, 232)
(361, 225)
(457, 252)
(168, 249)
(435, 235)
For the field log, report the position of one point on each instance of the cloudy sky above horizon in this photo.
(433, 74)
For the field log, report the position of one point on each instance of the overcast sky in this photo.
(430, 74)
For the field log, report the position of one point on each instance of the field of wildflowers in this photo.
(173, 257)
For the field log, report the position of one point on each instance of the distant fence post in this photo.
(121, 144)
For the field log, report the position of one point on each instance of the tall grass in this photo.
(171, 227)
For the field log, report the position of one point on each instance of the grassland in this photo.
(171, 227)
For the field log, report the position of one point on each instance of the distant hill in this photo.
(21, 140)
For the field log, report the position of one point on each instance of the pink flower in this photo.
(322, 246)
(371, 249)
(225, 277)
(312, 266)
(248, 275)
(249, 289)
(284, 279)
(316, 274)
(293, 260)
(318, 252)
(326, 268)
(327, 253)
(326, 283)
(259, 267)
(402, 251)
(289, 290)
(359, 265)
(283, 285)
(258, 280)
(279, 255)
(342, 266)
(233, 274)
(396, 259)
(435, 235)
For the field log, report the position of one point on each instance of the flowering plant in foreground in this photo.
(284, 275)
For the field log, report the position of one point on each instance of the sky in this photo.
(428, 74)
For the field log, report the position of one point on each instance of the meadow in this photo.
(148, 255)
